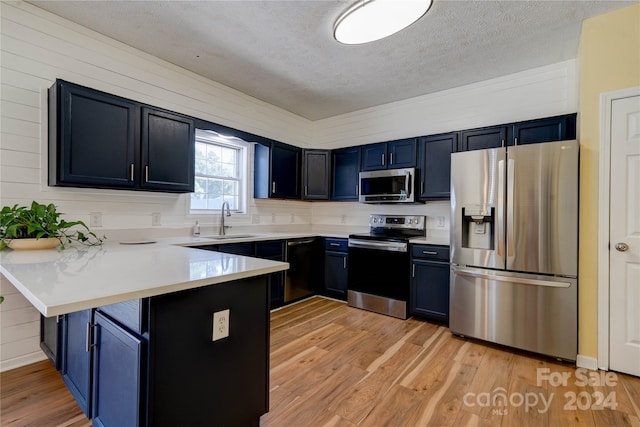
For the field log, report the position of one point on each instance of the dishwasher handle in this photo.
(300, 242)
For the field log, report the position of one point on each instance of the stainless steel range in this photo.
(379, 264)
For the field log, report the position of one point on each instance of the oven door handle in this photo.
(383, 246)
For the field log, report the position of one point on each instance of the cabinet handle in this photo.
(430, 252)
(131, 172)
(502, 142)
(357, 190)
(391, 159)
(422, 187)
(334, 244)
(344, 263)
(146, 174)
(515, 141)
(413, 270)
(87, 341)
(306, 190)
(383, 160)
(273, 187)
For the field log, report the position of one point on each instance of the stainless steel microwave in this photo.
(388, 186)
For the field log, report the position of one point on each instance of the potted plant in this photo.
(42, 222)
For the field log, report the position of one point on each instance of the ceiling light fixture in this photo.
(369, 20)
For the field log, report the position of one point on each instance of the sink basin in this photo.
(231, 236)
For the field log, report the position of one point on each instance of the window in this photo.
(220, 172)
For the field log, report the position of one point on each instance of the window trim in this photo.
(215, 138)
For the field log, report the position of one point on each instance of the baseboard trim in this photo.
(26, 359)
(587, 362)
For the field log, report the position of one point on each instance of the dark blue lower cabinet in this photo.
(166, 370)
(117, 379)
(335, 274)
(76, 357)
(430, 289)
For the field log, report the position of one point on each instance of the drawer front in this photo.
(131, 314)
(339, 245)
(270, 249)
(430, 252)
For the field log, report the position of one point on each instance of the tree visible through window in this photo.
(219, 172)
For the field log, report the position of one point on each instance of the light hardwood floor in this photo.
(332, 365)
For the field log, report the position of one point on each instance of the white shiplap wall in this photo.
(38, 47)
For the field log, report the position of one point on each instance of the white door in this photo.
(624, 251)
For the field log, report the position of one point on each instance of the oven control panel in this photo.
(416, 222)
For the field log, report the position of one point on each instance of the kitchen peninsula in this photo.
(139, 319)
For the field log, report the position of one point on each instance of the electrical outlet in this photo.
(273, 218)
(440, 221)
(95, 219)
(293, 218)
(255, 219)
(155, 219)
(220, 325)
(343, 219)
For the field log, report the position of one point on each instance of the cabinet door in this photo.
(335, 273)
(316, 173)
(374, 157)
(168, 151)
(93, 139)
(51, 339)
(479, 139)
(402, 153)
(76, 357)
(430, 289)
(549, 129)
(244, 248)
(118, 379)
(285, 171)
(345, 173)
(435, 165)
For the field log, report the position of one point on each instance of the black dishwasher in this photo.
(301, 278)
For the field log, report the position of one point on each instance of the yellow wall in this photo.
(609, 59)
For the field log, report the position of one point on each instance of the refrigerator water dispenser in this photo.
(478, 227)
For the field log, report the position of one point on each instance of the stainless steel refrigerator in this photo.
(514, 247)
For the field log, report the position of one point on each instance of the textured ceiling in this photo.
(283, 52)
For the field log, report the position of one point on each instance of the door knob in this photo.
(622, 247)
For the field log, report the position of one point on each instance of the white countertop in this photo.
(58, 282)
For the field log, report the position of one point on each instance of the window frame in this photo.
(214, 138)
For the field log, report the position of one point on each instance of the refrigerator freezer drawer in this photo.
(530, 312)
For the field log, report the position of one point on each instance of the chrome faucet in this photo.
(223, 227)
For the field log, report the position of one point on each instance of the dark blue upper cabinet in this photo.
(435, 165)
(402, 153)
(556, 128)
(99, 140)
(93, 139)
(346, 173)
(117, 377)
(316, 174)
(76, 357)
(285, 171)
(488, 137)
(389, 155)
(168, 151)
(374, 157)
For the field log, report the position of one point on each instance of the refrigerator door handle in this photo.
(510, 212)
(510, 279)
(500, 213)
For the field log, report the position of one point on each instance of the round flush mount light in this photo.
(369, 20)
